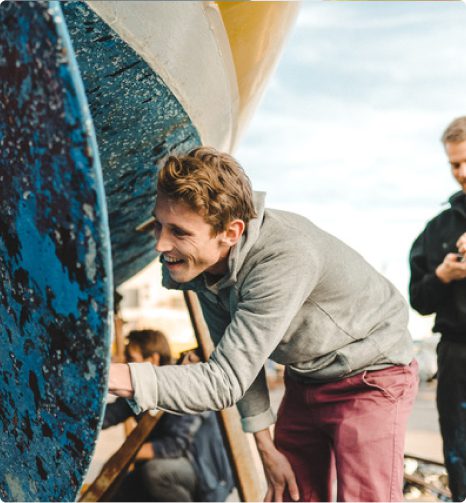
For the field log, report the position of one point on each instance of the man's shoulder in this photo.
(446, 214)
(439, 219)
(285, 223)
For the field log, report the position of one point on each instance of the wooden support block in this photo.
(244, 466)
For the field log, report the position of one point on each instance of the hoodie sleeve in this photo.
(271, 295)
(426, 291)
(254, 407)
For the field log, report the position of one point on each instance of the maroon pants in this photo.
(356, 426)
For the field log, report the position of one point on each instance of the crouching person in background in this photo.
(183, 458)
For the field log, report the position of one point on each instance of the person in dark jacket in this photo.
(438, 285)
(183, 458)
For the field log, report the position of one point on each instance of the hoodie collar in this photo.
(239, 252)
(458, 202)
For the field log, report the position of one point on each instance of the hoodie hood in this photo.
(239, 252)
(236, 257)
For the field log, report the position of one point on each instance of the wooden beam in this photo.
(239, 450)
(115, 468)
(119, 341)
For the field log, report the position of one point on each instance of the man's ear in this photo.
(233, 232)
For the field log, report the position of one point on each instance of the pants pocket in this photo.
(392, 382)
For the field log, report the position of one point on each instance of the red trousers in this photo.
(354, 428)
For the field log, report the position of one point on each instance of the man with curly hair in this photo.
(273, 285)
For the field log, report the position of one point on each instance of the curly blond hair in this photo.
(211, 183)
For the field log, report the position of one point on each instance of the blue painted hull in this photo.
(55, 270)
(138, 122)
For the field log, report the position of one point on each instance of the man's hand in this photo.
(451, 269)
(461, 244)
(188, 357)
(277, 468)
(119, 381)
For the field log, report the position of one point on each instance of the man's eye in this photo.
(157, 226)
(455, 165)
(179, 232)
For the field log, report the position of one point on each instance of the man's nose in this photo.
(162, 242)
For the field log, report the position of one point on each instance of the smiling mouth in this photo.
(170, 261)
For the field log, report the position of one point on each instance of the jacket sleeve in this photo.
(271, 295)
(254, 407)
(426, 291)
(258, 393)
(177, 436)
(116, 412)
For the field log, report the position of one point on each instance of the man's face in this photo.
(185, 242)
(456, 153)
(133, 353)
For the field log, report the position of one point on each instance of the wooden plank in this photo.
(115, 468)
(119, 354)
(244, 466)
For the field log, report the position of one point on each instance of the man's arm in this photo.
(426, 290)
(266, 307)
(277, 468)
(119, 381)
(451, 269)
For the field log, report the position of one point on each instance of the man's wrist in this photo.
(120, 380)
(264, 440)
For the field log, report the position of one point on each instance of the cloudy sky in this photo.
(348, 130)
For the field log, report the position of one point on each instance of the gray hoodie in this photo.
(294, 294)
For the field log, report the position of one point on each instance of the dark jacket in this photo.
(427, 293)
(196, 437)
(172, 436)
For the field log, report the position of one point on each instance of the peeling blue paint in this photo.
(55, 270)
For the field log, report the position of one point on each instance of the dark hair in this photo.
(210, 182)
(150, 342)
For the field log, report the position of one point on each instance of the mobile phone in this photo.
(460, 257)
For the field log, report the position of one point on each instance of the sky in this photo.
(348, 130)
